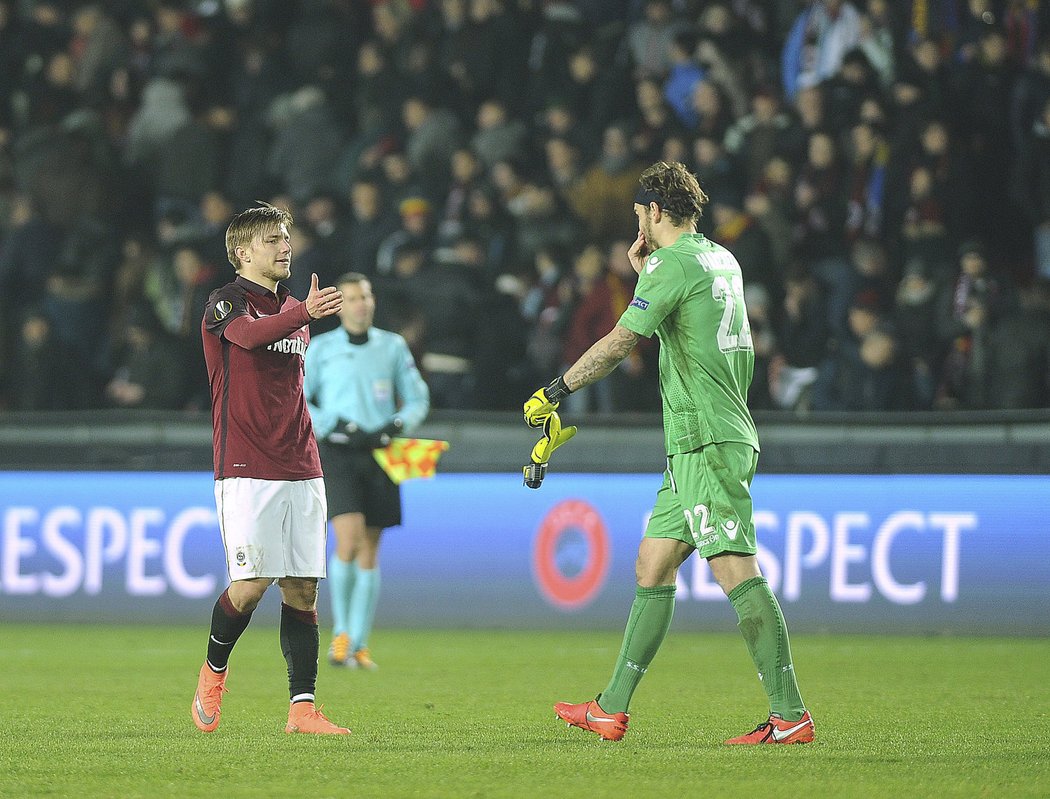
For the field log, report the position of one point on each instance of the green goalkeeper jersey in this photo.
(691, 294)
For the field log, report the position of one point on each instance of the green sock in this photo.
(647, 625)
(765, 633)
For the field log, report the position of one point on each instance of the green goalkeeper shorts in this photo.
(705, 500)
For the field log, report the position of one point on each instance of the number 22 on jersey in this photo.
(734, 330)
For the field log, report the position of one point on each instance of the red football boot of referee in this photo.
(778, 731)
(589, 716)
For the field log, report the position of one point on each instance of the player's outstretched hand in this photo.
(544, 401)
(323, 302)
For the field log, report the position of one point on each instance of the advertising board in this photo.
(902, 553)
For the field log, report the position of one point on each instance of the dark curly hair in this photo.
(681, 197)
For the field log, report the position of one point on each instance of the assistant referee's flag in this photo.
(405, 458)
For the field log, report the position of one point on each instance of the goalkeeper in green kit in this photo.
(691, 294)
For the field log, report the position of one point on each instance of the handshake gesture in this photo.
(541, 412)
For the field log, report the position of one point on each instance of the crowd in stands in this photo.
(881, 169)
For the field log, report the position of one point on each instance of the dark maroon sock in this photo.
(227, 624)
(299, 643)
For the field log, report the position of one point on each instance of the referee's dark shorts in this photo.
(355, 483)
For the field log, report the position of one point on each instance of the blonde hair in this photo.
(253, 222)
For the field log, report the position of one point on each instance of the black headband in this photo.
(645, 196)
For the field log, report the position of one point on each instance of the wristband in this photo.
(557, 390)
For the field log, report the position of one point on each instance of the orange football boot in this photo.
(362, 659)
(207, 702)
(589, 716)
(304, 717)
(339, 651)
(778, 731)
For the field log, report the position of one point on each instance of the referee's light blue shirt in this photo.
(368, 384)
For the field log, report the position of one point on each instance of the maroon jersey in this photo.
(254, 343)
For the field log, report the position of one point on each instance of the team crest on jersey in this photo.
(222, 309)
(639, 303)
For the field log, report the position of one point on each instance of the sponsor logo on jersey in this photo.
(222, 309)
(288, 346)
(730, 528)
(639, 303)
(651, 264)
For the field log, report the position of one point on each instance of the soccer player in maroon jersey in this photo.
(269, 490)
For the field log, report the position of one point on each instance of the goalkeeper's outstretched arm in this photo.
(601, 358)
(541, 408)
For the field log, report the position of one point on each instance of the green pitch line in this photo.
(104, 712)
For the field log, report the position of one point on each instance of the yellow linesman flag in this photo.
(405, 458)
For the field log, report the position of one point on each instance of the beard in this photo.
(646, 226)
(278, 272)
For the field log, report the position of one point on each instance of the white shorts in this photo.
(273, 528)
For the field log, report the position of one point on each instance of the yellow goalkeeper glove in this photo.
(544, 402)
(554, 435)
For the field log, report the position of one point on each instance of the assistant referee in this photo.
(362, 388)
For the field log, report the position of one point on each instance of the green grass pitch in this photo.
(95, 711)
